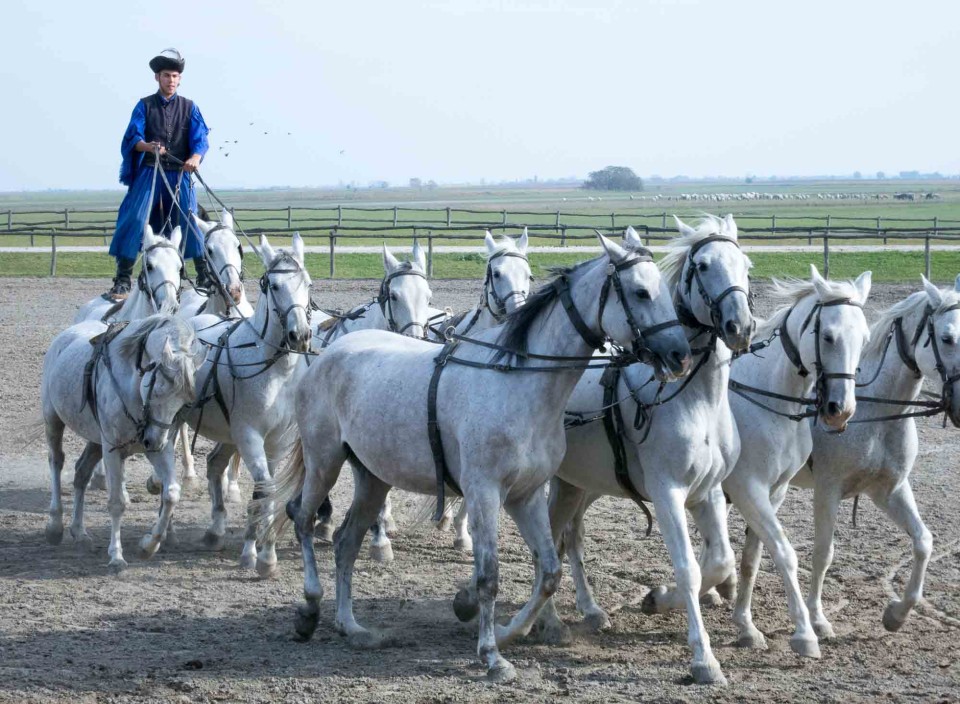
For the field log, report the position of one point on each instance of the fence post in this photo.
(826, 255)
(926, 246)
(333, 251)
(53, 254)
(828, 225)
(430, 252)
(663, 225)
(563, 236)
(878, 231)
(504, 217)
(773, 224)
(558, 222)
(339, 215)
(289, 218)
(9, 220)
(613, 222)
(448, 216)
(395, 209)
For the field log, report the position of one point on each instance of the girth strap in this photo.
(99, 343)
(613, 426)
(433, 430)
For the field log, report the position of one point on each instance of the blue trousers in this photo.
(137, 207)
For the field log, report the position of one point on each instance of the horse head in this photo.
(161, 270)
(224, 255)
(285, 292)
(405, 293)
(938, 348)
(508, 277)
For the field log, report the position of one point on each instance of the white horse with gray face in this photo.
(874, 456)
(156, 290)
(684, 449)
(136, 380)
(370, 378)
(246, 387)
(224, 255)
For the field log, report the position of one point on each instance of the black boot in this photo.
(203, 280)
(121, 282)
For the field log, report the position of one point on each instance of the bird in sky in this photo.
(226, 154)
(342, 151)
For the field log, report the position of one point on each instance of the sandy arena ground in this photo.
(190, 626)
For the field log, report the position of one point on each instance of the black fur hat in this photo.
(167, 60)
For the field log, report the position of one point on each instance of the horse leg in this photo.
(593, 615)
(233, 477)
(462, 539)
(759, 510)
(189, 469)
(483, 503)
(672, 518)
(718, 564)
(99, 480)
(324, 530)
(54, 430)
(89, 459)
(216, 462)
(564, 503)
(902, 509)
(380, 548)
(386, 518)
(533, 520)
(826, 502)
(368, 496)
(116, 504)
(165, 464)
(251, 449)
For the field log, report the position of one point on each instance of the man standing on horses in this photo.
(163, 125)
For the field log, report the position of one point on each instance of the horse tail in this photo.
(234, 466)
(287, 485)
(29, 432)
(427, 505)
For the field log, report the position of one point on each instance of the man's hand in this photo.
(155, 147)
(192, 164)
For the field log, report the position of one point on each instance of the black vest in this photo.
(170, 125)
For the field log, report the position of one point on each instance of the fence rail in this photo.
(451, 225)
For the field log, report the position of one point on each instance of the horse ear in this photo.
(389, 261)
(202, 225)
(490, 243)
(226, 218)
(298, 247)
(730, 226)
(631, 239)
(862, 285)
(148, 236)
(956, 283)
(176, 236)
(419, 257)
(819, 283)
(933, 293)
(166, 356)
(266, 251)
(522, 242)
(614, 252)
(682, 227)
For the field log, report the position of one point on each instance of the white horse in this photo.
(373, 380)
(875, 456)
(224, 255)
(683, 450)
(246, 387)
(157, 288)
(506, 285)
(135, 379)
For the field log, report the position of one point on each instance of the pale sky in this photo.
(466, 90)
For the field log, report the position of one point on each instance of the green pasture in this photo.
(886, 266)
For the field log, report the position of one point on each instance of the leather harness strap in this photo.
(433, 431)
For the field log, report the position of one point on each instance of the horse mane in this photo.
(792, 291)
(409, 265)
(517, 326)
(914, 303)
(182, 340)
(506, 244)
(679, 247)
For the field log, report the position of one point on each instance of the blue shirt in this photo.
(135, 133)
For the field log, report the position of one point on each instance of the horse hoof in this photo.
(248, 562)
(212, 541)
(892, 620)
(597, 621)
(365, 640)
(465, 606)
(753, 639)
(555, 633)
(503, 671)
(324, 533)
(54, 533)
(148, 546)
(824, 630)
(708, 673)
(98, 482)
(710, 599)
(390, 527)
(464, 544)
(649, 605)
(444, 524)
(266, 570)
(233, 494)
(727, 590)
(305, 622)
(153, 486)
(170, 539)
(189, 483)
(83, 544)
(381, 553)
(806, 647)
(117, 566)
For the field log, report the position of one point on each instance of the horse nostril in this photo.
(833, 408)
(732, 328)
(679, 359)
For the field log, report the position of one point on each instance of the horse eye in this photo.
(274, 287)
(496, 274)
(149, 267)
(643, 294)
(209, 250)
(829, 339)
(393, 296)
(702, 266)
(948, 339)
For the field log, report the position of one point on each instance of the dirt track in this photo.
(190, 626)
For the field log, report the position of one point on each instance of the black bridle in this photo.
(218, 274)
(384, 298)
(265, 288)
(499, 312)
(144, 285)
(692, 274)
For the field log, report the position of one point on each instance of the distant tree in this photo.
(857, 174)
(416, 183)
(749, 179)
(881, 175)
(614, 178)
(431, 184)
